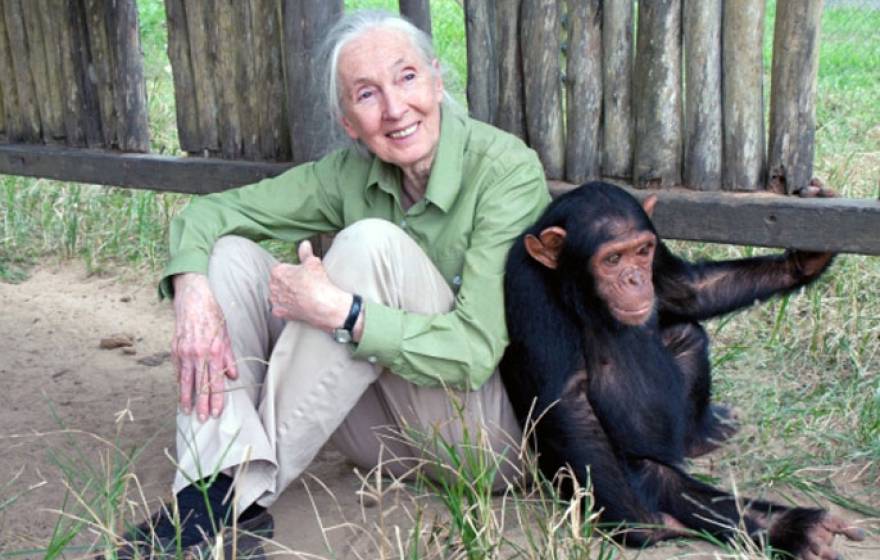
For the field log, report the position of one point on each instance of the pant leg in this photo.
(238, 272)
(407, 279)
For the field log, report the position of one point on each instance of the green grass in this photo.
(803, 371)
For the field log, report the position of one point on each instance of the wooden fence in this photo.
(674, 100)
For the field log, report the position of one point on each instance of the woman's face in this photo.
(391, 98)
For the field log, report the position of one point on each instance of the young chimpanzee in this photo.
(607, 354)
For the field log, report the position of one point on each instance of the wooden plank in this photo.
(246, 84)
(48, 96)
(224, 35)
(702, 55)
(418, 12)
(193, 175)
(583, 152)
(305, 25)
(89, 110)
(509, 114)
(763, 219)
(743, 101)
(12, 117)
(539, 41)
(52, 17)
(617, 64)
(657, 95)
(20, 65)
(201, 53)
(793, 93)
(274, 134)
(188, 132)
(482, 70)
(130, 90)
(101, 68)
(752, 219)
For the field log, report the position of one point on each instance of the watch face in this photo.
(342, 336)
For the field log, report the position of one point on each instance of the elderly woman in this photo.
(403, 316)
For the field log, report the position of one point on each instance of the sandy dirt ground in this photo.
(65, 401)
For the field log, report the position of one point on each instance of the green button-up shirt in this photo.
(485, 187)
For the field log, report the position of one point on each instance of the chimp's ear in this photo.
(648, 205)
(547, 246)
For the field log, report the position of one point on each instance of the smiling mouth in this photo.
(403, 133)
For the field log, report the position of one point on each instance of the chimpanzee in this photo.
(607, 355)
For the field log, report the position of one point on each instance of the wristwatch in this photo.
(343, 334)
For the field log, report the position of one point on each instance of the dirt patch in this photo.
(65, 401)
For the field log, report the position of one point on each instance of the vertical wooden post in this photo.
(188, 132)
(617, 63)
(89, 109)
(130, 88)
(14, 123)
(52, 18)
(24, 84)
(657, 95)
(583, 151)
(224, 34)
(62, 23)
(272, 105)
(418, 12)
(305, 24)
(48, 96)
(100, 67)
(250, 92)
(702, 54)
(482, 79)
(743, 86)
(539, 41)
(201, 52)
(793, 93)
(509, 114)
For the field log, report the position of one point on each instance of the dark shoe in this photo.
(242, 542)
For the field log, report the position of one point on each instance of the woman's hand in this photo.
(201, 348)
(305, 293)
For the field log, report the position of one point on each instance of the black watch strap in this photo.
(356, 303)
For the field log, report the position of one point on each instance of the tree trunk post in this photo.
(793, 93)
(743, 87)
(583, 153)
(540, 44)
(702, 54)
(657, 95)
(482, 79)
(509, 115)
(418, 12)
(617, 65)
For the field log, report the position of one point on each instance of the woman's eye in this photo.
(365, 94)
(409, 76)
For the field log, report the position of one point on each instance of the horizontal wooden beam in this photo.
(763, 219)
(844, 225)
(140, 171)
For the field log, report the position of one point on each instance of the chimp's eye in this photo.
(612, 259)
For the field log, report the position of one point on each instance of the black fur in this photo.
(630, 403)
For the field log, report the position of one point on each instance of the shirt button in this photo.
(372, 359)
(456, 281)
(403, 223)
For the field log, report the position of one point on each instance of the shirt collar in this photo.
(446, 172)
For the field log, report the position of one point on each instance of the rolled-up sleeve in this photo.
(292, 206)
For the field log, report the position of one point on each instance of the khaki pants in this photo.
(297, 387)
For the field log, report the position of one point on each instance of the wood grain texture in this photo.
(201, 55)
(224, 34)
(100, 67)
(304, 24)
(51, 15)
(21, 72)
(188, 131)
(743, 91)
(657, 96)
(509, 115)
(583, 152)
(482, 63)
(130, 92)
(48, 98)
(12, 117)
(80, 60)
(702, 114)
(793, 94)
(418, 12)
(539, 41)
(617, 66)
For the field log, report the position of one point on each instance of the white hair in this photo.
(352, 26)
